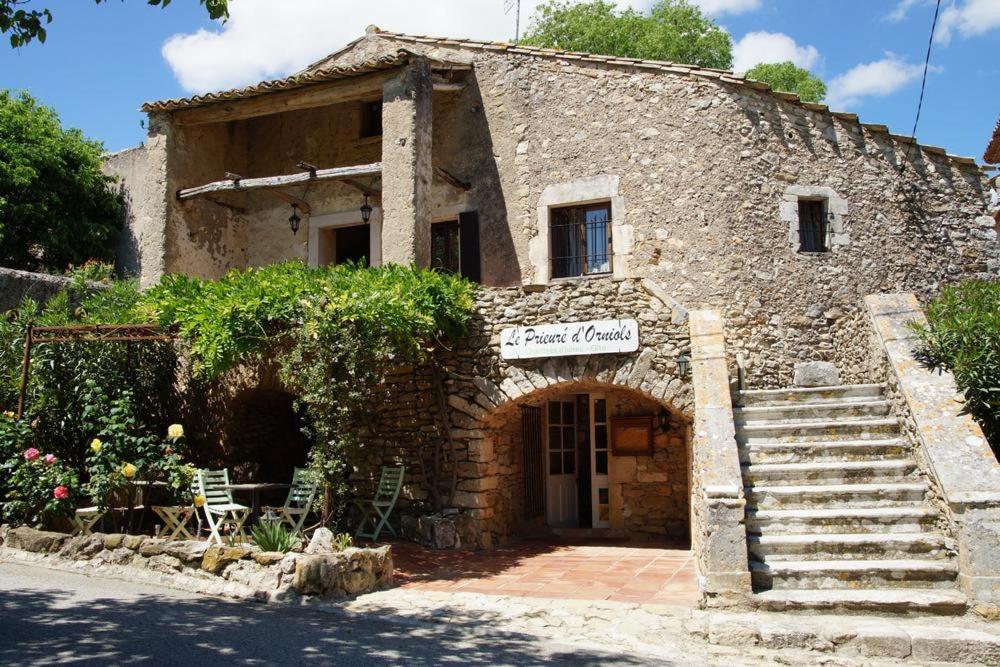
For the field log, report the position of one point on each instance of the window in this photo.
(580, 240)
(813, 227)
(455, 246)
(371, 119)
(445, 248)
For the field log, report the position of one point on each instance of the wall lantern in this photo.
(294, 219)
(366, 211)
(663, 420)
(683, 365)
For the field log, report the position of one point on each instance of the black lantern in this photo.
(366, 211)
(663, 420)
(683, 365)
(294, 219)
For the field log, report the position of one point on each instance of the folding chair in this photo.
(305, 485)
(176, 517)
(220, 509)
(378, 509)
(84, 520)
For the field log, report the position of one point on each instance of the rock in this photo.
(4, 529)
(816, 374)
(288, 563)
(217, 557)
(187, 551)
(151, 547)
(321, 542)
(313, 572)
(466, 531)
(113, 541)
(37, 541)
(443, 534)
(164, 563)
(133, 542)
(82, 547)
(268, 557)
(355, 581)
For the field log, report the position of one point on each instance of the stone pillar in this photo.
(719, 536)
(951, 446)
(407, 169)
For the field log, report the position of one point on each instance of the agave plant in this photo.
(272, 536)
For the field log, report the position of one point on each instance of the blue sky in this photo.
(101, 62)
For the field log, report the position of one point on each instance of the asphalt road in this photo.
(49, 617)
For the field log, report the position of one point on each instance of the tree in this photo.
(674, 31)
(25, 25)
(56, 205)
(790, 79)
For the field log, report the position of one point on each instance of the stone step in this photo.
(889, 601)
(817, 431)
(822, 411)
(840, 393)
(788, 496)
(830, 472)
(904, 519)
(829, 574)
(840, 450)
(771, 549)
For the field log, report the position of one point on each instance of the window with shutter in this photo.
(813, 228)
(455, 246)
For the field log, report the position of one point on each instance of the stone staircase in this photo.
(838, 515)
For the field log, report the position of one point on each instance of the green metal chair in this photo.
(377, 510)
(220, 510)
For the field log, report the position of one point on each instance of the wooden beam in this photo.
(318, 95)
(451, 180)
(275, 182)
(291, 199)
(358, 185)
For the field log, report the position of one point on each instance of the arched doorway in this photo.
(591, 459)
(265, 440)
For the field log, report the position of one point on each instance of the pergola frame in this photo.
(83, 333)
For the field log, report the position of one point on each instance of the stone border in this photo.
(952, 445)
(788, 212)
(241, 572)
(718, 532)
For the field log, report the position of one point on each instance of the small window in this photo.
(580, 240)
(445, 248)
(813, 226)
(371, 119)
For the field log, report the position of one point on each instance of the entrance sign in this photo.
(562, 340)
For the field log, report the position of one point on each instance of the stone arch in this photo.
(649, 495)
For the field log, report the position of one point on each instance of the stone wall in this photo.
(704, 167)
(483, 394)
(16, 285)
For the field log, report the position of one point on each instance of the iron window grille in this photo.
(814, 228)
(580, 240)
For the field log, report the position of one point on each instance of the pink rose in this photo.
(31, 454)
(60, 493)
(49, 459)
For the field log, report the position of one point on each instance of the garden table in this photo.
(254, 489)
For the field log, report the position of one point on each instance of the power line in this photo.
(923, 81)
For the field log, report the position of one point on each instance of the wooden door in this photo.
(561, 468)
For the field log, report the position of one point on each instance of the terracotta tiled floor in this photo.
(625, 572)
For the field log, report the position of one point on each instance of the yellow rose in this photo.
(95, 445)
(8, 414)
(128, 470)
(175, 431)
(199, 501)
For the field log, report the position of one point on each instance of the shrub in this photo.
(41, 488)
(272, 536)
(962, 335)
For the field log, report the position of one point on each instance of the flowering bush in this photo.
(40, 488)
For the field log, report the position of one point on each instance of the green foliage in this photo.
(93, 270)
(962, 335)
(273, 536)
(342, 541)
(674, 31)
(789, 78)
(56, 205)
(334, 331)
(25, 25)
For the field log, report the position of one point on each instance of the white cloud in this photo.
(718, 7)
(970, 19)
(771, 47)
(874, 79)
(261, 42)
(900, 11)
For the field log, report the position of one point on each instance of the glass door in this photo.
(561, 497)
(599, 434)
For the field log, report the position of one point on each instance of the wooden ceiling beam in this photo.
(284, 181)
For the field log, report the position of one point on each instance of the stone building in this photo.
(574, 188)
